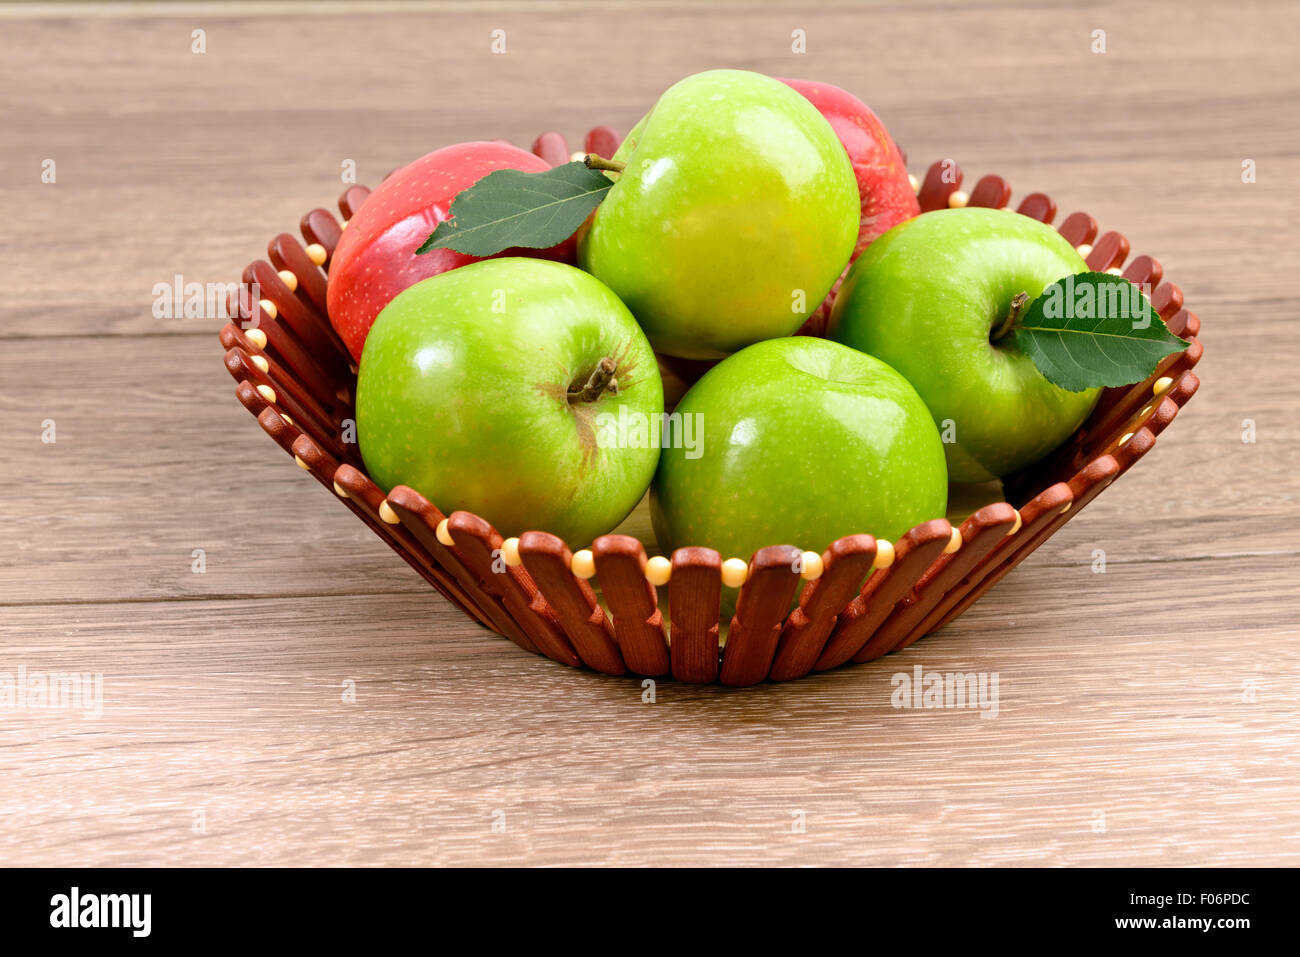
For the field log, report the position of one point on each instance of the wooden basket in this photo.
(296, 377)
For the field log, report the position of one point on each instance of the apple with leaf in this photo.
(376, 255)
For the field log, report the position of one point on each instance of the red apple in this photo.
(375, 258)
(887, 195)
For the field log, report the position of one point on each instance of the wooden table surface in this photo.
(1148, 713)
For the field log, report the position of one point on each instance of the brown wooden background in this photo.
(1127, 731)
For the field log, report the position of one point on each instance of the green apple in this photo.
(486, 389)
(736, 213)
(929, 297)
(799, 441)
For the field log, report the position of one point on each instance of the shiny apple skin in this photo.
(804, 441)
(886, 193)
(925, 298)
(737, 211)
(375, 258)
(462, 395)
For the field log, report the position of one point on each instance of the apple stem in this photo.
(600, 381)
(592, 161)
(1018, 304)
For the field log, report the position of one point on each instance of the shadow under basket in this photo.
(296, 377)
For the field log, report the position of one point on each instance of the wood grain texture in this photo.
(1146, 712)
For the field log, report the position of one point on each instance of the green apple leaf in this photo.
(1093, 329)
(510, 208)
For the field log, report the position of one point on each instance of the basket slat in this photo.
(1144, 271)
(633, 603)
(362, 498)
(289, 396)
(602, 140)
(1112, 410)
(285, 252)
(913, 554)
(351, 199)
(421, 518)
(272, 423)
(319, 226)
(547, 560)
(478, 544)
(1185, 324)
(942, 179)
(1082, 489)
(997, 574)
(1033, 516)
(904, 581)
(992, 191)
(281, 343)
(1109, 252)
(1038, 206)
(1133, 398)
(1078, 228)
(764, 600)
(1155, 415)
(326, 472)
(980, 534)
(846, 563)
(1167, 299)
(552, 147)
(308, 326)
(694, 591)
